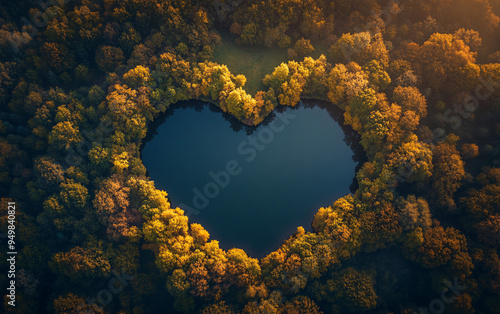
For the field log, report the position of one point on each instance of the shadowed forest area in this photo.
(82, 82)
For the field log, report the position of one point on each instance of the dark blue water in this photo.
(251, 187)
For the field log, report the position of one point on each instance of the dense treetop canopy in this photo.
(81, 81)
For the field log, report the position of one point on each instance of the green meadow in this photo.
(254, 61)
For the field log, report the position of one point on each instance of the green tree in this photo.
(241, 105)
(303, 47)
(413, 161)
(138, 76)
(64, 135)
(378, 78)
(74, 196)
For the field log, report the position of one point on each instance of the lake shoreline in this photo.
(349, 137)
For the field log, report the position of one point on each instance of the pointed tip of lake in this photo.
(251, 191)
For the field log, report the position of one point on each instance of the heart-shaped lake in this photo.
(251, 187)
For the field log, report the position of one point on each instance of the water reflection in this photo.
(252, 195)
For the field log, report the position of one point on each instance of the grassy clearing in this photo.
(320, 48)
(253, 62)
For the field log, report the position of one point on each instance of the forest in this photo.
(81, 81)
